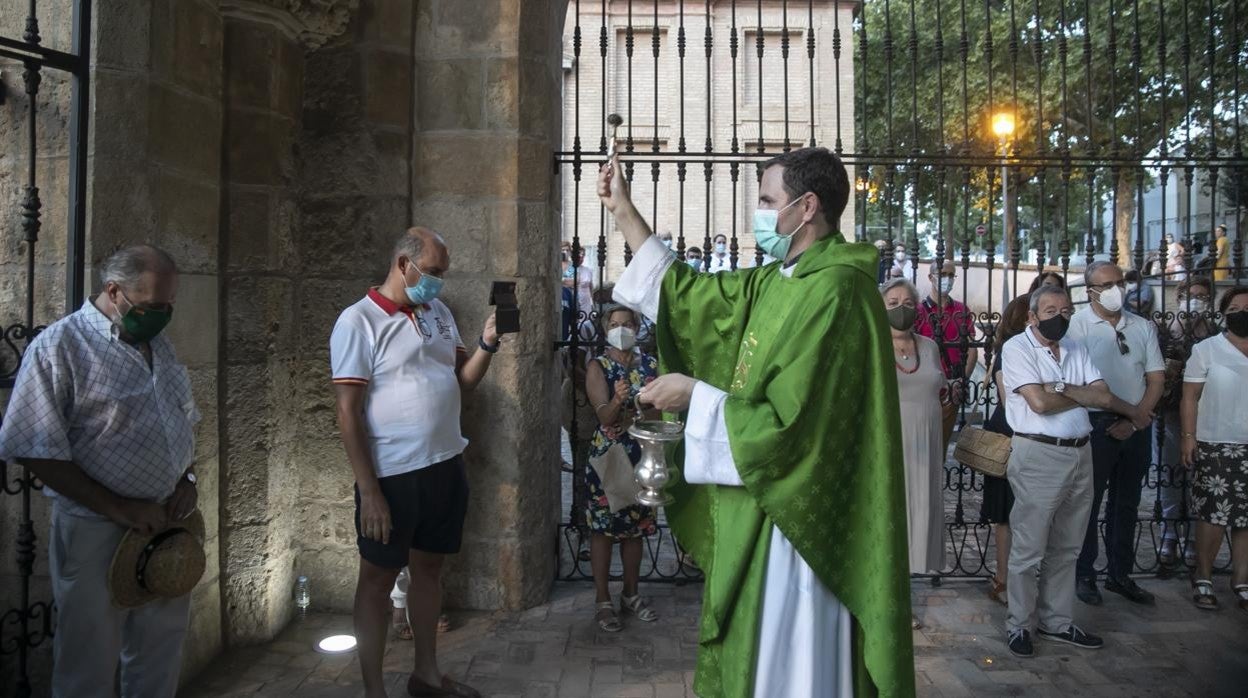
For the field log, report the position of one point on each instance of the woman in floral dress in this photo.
(612, 382)
(1215, 446)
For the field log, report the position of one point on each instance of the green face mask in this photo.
(144, 324)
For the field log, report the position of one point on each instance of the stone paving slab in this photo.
(555, 651)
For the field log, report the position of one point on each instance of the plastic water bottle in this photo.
(301, 595)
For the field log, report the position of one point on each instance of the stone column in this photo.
(486, 125)
(264, 66)
(353, 187)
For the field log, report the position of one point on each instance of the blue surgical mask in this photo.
(695, 263)
(721, 247)
(425, 290)
(768, 239)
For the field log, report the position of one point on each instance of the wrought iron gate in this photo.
(31, 622)
(1003, 137)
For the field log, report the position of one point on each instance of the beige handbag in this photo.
(615, 469)
(982, 450)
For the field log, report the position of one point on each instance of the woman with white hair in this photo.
(920, 384)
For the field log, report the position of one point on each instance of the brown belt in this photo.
(1054, 441)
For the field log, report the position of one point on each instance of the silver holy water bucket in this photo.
(652, 471)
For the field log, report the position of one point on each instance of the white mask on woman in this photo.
(622, 338)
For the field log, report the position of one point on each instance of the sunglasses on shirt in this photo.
(1122, 343)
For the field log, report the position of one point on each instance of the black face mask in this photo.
(1237, 323)
(1054, 328)
(902, 317)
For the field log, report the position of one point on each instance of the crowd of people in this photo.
(790, 422)
(1085, 398)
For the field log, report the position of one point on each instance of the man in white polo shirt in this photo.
(1124, 348)
(398, 368)
(1049, 384)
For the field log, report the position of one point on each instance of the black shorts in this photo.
(427, 511)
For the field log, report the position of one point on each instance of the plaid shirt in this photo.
(84, 395)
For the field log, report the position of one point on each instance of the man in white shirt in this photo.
(1049, 383)
(1124, 348)
(102, 414)
(398, 368)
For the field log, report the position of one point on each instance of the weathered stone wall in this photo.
(487, 123)
(353, 189)
(263, 68)
(153, 170)
(276, 149)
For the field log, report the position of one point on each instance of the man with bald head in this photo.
(398, 368)
(102, 413)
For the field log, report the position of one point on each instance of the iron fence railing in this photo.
(27, 625)
(1099, 101)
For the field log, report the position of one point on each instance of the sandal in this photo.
(1241, 591)
(997, 593)
(444, 624)
(608, 620)
(637, 606)
(1203, 596)
(915, 624)
(402, 629)
(1168, 557)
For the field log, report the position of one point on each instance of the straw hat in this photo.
(164, 565)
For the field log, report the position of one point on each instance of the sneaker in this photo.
(1072, 635)
(1129, 589)
(1087, 592)
(1019, 642)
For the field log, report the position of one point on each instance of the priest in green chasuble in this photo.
(792, 495)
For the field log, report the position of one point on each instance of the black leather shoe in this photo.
(1129, 589)
(1020, 643)
(1087, 592)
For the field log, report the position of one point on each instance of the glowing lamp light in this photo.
(336, 644)
(860, 185)
(1003, 124)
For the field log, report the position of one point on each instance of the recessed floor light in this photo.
(336, 644)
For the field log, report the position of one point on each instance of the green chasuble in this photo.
(815, 432)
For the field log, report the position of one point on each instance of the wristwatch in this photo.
(190, 477)
(486, 347)
(1059, 387)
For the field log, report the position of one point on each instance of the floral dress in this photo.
(635, 520)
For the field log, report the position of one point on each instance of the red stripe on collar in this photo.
(389, 306)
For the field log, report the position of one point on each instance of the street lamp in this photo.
(1003, 128)
(1003, 125)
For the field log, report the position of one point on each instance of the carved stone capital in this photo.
(310, 22)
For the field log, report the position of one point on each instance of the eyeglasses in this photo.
(1122, 343)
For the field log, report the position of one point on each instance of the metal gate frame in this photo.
(32, 622)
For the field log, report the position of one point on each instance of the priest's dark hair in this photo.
(818, 171)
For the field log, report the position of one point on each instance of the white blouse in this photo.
(1222, 413)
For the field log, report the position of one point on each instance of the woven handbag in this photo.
(982, 450)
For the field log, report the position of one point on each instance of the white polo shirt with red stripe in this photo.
(406, 357)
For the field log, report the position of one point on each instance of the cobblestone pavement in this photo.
(1168, 650)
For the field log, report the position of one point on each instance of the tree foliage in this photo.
(1108, 83)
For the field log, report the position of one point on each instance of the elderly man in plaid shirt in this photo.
(102, 413)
